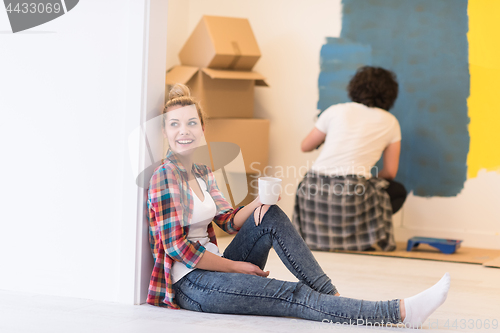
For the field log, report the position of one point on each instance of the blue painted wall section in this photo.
(339, 60)
(425, 43)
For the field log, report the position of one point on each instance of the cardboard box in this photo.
(251, 135)
(221, 93)
(221, 42)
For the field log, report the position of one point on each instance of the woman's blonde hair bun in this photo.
(179, 90)
(180, 94)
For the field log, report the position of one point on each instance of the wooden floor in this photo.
(473, 301)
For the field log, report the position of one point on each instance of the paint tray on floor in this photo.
(446, 246)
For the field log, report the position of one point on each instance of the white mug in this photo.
(269, 190)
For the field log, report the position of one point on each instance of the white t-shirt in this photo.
(203, 213)
(356, 137)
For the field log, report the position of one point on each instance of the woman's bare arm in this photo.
(312, 140)
(212, 262)
(243, 214)
(391, 161)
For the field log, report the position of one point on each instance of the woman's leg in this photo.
(397, 193)
(235, 293)
(252, 244)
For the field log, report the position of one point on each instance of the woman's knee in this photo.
(260, 212)
(274, 214)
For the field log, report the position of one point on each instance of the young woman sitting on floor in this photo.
(190, 272)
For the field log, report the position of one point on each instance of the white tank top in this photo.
(203, 213)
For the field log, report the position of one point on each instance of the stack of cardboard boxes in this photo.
(216, 64)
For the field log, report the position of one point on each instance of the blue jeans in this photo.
(310, 298)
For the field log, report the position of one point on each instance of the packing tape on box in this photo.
(237, 53)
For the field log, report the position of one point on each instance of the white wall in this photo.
(71, 91)
(290, 35)
(471, 216)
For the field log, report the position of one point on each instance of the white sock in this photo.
(419, 307)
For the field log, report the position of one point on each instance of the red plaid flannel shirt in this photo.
(170, 205)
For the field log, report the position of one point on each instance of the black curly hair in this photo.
(374, 87)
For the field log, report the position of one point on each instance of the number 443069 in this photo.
(34, 8)
(472, 324)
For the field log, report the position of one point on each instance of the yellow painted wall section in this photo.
(484, 100)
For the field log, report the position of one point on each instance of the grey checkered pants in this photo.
(343, 213)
